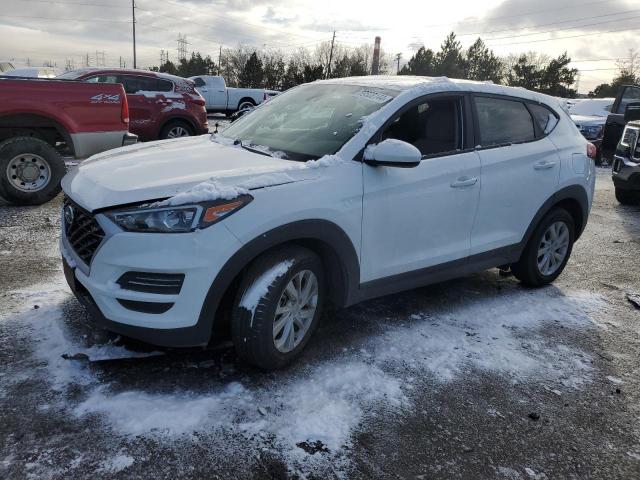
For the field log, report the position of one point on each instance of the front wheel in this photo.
(627, 197)
(547, 251)
(277, 307)
(30, 171)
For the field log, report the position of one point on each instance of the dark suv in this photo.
(160, 105)
(626, 161)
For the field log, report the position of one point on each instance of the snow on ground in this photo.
(327, 400)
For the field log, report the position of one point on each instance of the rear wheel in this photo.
(627, 197)
(277, 307)
(547, 251)
(246, 105)
(30, 171)
(176, 129)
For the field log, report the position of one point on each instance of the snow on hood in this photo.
(588, 120)
(163, 169)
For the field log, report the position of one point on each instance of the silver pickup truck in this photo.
(222, 99)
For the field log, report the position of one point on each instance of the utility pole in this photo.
(87, 61)
(133, 14)
(331, 54)
(220, 61)
(398, 57)
(375, 62)
(101, 59)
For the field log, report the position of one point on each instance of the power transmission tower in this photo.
(133, 15)
(122, 63)
(333, 39)
(100, 59)
(87, 60)
(162, 60)
(398, 57)
(69, 65)
(182, 46)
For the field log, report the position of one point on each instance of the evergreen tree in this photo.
(311, 73)
(293, 76)
(252, 75)
(449, 60)
(525, 73)
(482, 64)
(422, 63)
(556, 78)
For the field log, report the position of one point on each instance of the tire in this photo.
(263, 291)
(627, 197)
(528, 269)
(44, 166)
(176, 129)
(246, 104)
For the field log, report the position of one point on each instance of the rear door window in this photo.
(503, 121)
(103, 79)
(136, 84)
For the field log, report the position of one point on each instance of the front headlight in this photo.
(179, 219)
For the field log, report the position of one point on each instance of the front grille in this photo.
(82, 230)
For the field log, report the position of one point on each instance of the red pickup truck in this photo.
(41, 120)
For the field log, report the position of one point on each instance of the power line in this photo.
(57, 19)
(565, 37)
(553, 23)
(564, 29)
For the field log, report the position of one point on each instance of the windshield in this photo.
(308, 122)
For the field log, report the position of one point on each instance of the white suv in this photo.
(332, 193)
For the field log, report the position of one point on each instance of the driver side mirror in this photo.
(632, 112)
(392, 153)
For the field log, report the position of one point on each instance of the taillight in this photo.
(265, 96)
(124, 112)
(592, 151)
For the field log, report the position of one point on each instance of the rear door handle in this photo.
(464, 182)
(544, 165)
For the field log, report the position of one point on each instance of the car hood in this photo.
(588, 120)
(159, 170)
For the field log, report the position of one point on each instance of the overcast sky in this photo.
(69, 29)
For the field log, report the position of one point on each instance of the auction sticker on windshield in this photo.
(376, 97)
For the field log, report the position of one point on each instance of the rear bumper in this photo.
(89, 143)
(625, 174)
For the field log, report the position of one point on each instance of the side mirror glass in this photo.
(632, 112)
(392, 153)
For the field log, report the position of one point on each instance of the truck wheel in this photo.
(277, 307)
(627, 197)
(176, 129)
(547, 251)
(246, 104)
(30, 171)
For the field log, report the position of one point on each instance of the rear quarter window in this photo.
(544, 118)
(502, 121)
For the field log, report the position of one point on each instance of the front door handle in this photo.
(544, 165)
(464, 182)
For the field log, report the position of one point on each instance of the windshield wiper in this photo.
(254, 150)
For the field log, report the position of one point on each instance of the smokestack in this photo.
(375, 64)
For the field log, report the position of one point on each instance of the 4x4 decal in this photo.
(105, 98)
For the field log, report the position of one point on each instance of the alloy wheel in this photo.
(553, 248)
(295, 311)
